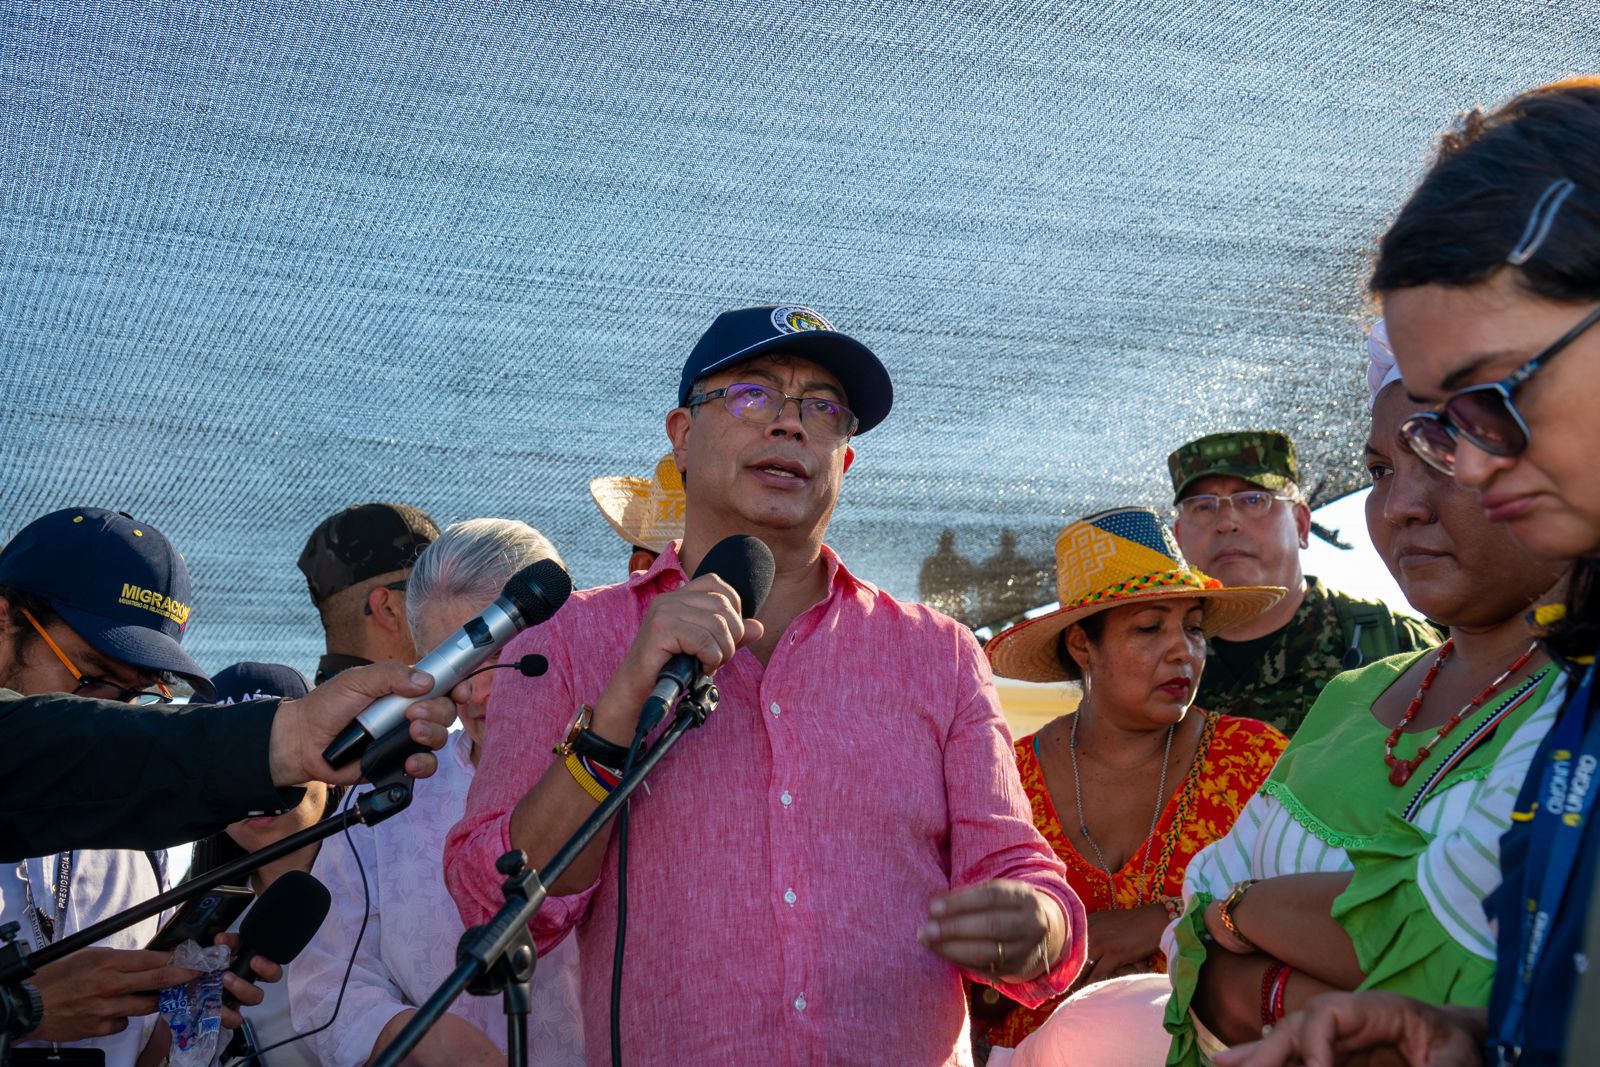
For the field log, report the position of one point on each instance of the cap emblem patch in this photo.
(796, 319)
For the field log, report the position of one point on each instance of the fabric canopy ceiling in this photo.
(262, 261)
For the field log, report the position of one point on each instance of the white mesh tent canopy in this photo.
(262, 261)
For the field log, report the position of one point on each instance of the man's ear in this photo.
(1302, 523)
(383, 604)
(679, 422)
(849, 455)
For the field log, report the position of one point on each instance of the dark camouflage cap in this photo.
(361, 542)
(1261, 457)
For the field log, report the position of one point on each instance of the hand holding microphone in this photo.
(530, 597)
(696, 628)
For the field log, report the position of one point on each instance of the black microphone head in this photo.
(283, 922)
(745, 563)
(538, 590)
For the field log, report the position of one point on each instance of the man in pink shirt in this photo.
(814, 870)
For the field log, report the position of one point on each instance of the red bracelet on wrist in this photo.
(1280, 989)
(1272, 994)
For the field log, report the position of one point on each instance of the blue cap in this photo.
(736, 336)
(257, 681)
(118, 583)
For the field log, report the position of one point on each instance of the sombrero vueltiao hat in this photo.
(1109, 559)
(646, 512)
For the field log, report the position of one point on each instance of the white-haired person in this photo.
(412, 926)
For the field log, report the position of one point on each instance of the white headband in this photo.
(1381, 367)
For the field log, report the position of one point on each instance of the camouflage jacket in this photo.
(1330, 633)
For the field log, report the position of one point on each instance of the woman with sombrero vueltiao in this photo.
(1362, 861)
(1129, 786)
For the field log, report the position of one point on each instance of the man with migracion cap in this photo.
(1243, 520)
(646, 512)
(849, 824)
(356, 563)
(94, 602)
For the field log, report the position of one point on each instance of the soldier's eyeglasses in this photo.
(89, 685)
(1203, 509)
(763, 404)
(1483, 414)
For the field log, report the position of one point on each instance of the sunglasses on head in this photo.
(1483, 414)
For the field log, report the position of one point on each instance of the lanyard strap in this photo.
(45, 926)
(1566, 800)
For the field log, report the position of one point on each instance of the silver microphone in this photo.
(530, 597)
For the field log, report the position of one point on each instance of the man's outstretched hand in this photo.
(303, 728)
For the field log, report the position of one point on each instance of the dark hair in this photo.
(1470, 211)
(214, 851)
(1094, 628)
(17, 600)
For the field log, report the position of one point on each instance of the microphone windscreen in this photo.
(538, 590)
(745, 563)
(284, 920)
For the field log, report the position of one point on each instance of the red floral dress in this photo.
(1234, 757)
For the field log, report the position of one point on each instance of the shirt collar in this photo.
(839, 577)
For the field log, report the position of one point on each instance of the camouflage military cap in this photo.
(361, 542)
(1262, 457)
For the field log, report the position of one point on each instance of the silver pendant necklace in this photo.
(1083, 827)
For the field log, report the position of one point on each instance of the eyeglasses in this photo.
(1483, 414)
(1203, 509)
(398, 587)
(102, 687)
(763, 404)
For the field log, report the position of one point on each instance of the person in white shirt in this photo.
(412, 926)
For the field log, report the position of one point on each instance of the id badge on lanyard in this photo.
(47, 925)
(1566, 801)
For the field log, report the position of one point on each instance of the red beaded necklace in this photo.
(1400, 770)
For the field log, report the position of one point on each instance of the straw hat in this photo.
(645, 512)
(1117, 557)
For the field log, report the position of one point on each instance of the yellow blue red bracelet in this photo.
(586, 781)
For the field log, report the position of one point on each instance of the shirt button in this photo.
(800, 1002)
(789, 897)
(775, 709)
(786, 799)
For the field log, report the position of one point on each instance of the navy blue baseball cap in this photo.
(736, 336)
(117, 582)
(257, 681)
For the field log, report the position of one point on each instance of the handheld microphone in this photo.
(282, 923)
(532, 595)
(743, 562)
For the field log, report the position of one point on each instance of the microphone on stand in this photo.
(745, 563)
(530, 597)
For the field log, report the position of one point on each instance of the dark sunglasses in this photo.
(1483, 414)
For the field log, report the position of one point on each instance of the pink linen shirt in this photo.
(785, 855)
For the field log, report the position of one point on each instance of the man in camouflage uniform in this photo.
(1242, 520)
(356, 563)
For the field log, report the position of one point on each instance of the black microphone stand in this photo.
(499, 956)
(383, 765)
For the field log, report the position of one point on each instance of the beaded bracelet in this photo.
(606, 776)
(587, 782)
(1271, 995)
(1279, 990)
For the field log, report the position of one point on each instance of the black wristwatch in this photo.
(590, 745)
